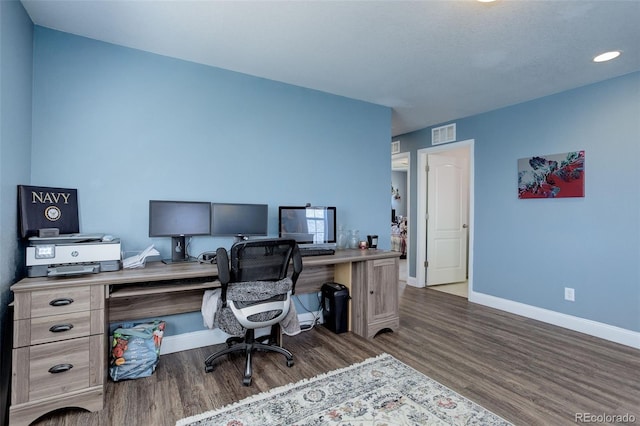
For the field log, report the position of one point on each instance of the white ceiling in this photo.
(430, 61)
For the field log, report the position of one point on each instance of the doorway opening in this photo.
(400, 208)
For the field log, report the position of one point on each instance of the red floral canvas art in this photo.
(551, 176)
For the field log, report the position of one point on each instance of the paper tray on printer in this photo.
(67, 239)
(66, 270)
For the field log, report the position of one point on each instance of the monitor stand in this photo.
(239, 238)
(178, 251)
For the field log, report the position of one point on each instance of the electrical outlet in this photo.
(569, 294)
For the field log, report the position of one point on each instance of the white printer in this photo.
(72, 254)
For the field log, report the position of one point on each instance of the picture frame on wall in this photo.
(551, 176)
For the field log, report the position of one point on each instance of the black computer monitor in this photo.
(239, 220)
(307, 225)
(178, 220)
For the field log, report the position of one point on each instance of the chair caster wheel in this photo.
(246, 381)
(234, 340)
(289, 363)
(208, 368)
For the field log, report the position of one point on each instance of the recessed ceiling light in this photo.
(607, 56)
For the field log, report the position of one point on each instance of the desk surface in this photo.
(158, 271)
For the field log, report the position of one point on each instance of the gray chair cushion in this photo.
(250, 291)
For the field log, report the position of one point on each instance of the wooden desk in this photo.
(63, 322)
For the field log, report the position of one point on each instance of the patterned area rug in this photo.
(377, 391)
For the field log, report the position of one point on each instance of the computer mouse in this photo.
(107, 238)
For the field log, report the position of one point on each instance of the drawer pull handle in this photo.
(63, 301)
(60, 368)
(58, 328)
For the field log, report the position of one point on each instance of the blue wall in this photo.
(529, 250)
(16, 64)
(124, 126)
(16, 53)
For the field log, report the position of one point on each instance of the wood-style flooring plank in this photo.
(526, 371)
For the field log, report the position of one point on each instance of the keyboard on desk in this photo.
(316, 251)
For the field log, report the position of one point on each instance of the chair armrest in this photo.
(297, 267)
(222, 260)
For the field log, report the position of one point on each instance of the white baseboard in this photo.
(192, 340)
(413, 282)
(198, 339)
(582, 325)
(202, 338)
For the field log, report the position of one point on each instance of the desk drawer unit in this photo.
(34, 331)
(56, 368)
(375, 285)
(59, 351)
(60, 301)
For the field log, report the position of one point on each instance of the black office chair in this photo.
(256, 293)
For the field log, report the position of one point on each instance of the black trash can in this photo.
(335, 307)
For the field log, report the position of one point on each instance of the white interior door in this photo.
(447, 218)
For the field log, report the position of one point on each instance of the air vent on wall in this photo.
(395, 147)
(443, 134)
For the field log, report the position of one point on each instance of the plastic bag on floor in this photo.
(135, 350)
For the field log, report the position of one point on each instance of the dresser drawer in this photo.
(52, 328)
(60, 301)
(58, 368)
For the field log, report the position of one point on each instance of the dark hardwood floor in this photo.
(528, 372)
